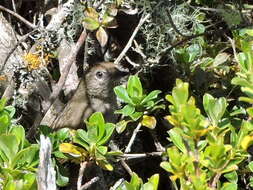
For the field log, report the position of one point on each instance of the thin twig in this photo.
(29, 24)
(127, 168)
(129, 43)
(131, 141)
(232, 42)
(142, 155)
(80, 175)
(89, 183)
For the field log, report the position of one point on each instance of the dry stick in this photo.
(127, 168)
(131, 141)
(80, 175)
(89, 183)
(142, 155)
(29, 24)
(129, 43)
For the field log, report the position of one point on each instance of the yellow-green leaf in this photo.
(102, 36)
(72, 150)
(90, 24)
(105, 165)
(92, 13)
(148, 121)
(246, 142)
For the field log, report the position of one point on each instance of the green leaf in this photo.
(122, 94)
(154, 180)
(152, 95)
(232, 177)
(177, 140)
(121, 126)
(134, 87)
(126, 110)
(3, 102)
(9, 146)
(97, 119)
(136, 115)
(229, 186)
(109, 128)
(19, 132)
(11, 110)
(215, 108)
(4, 122)
(180, 93)
(251, 166)
(61, 180)
(81, 138)
(102, 149)
(166, 166)
(90, 23)
(28, 157)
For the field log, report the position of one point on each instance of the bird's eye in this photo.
(99, 74)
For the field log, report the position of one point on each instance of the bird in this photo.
(94, 93)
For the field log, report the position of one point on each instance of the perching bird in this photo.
(94, 94)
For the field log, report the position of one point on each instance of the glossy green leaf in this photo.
(122, 94)
(215, 108)
(3, 102)
(152, 95)
(121, 126)
(109, 128)
(229, 186)
(126, 110)
(9, 146)
(136, 115)
(177, 140)
(231, 177)
(180, 93)
(4, 122)
(134, 87)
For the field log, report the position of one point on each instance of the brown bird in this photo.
(94, 94)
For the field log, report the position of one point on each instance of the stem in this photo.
(131, 141)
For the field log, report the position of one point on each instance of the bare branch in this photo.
(131, 141)
(29, 24)
(129, 43)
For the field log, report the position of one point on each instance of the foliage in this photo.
(136, 183)
(92, 143)
(138, 104)
(18, 158)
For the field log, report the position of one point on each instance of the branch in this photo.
(129, 43)
(29, 24)
(89, 183)
(131, 141)
(142, 155)
(80, 175)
